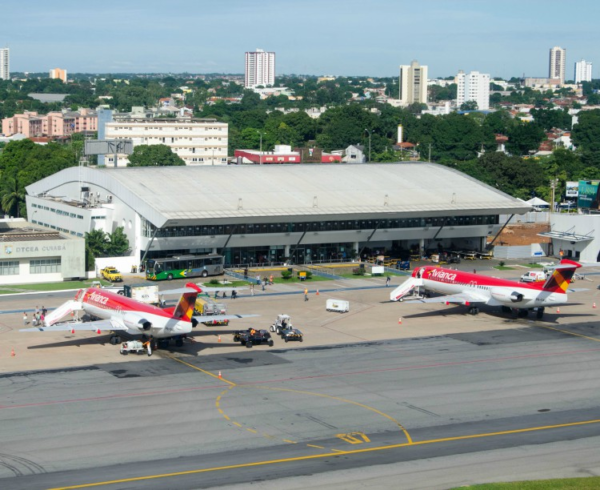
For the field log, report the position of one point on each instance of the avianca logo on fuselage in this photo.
(441, 275)
(97, 298)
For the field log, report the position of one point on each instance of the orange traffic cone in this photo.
(317, 292)
(219, 339)
(12, 353)
(400, 321)
(219, 374)
(557, 310)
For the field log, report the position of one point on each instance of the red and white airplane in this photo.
(118, 313)
(469, 289)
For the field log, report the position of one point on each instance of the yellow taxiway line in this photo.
(327, 455)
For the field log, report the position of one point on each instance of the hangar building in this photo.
(254, 214)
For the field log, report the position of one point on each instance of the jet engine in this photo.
(136, 322)
(516, 297)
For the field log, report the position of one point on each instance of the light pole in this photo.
(260, 154)
(369, 133)
(553, 183)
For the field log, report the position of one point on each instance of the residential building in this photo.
(53, 124)
(558, 60)
(260, 69)
(583, 71)
(4, 64)
(285, 154)
(413, 84)
(195, 141)
(473, 86)
(59, 73)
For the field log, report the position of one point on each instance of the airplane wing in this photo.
(460, 298)
(204, 290)
(219, 318)
(102, 325)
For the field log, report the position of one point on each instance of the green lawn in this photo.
(50, 286)
(504, 268)
(586, 483)
(533, 266)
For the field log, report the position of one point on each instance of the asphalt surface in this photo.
(443, 400)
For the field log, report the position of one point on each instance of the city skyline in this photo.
(203, 37)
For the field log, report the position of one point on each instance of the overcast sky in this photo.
(339, 37)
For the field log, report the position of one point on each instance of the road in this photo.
(172, 423)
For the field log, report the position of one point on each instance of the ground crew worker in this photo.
(305, 294)
(271, 279)
(25, 322)
(387, 281)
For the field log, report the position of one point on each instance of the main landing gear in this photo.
(524, 312)
(115, 339)
(473, 310)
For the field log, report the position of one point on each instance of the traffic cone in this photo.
(557, 310)
(219, 374)
(98, 331)
(72, 330)
(594, 305)
(219, 339)
(400, 321)
(317, 292)
(12, 353)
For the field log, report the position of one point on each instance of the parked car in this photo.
(111, 274)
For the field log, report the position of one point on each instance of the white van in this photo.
(533, 276)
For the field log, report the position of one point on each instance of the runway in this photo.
(380, 409)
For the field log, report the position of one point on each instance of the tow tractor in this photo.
(252, 337)
(283, 322)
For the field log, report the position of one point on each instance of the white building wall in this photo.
(196, 142)
(578, 224)
(259, 69)
(4, 64)
(473, 86)
(583, 71)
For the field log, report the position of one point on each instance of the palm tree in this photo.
(12, 196)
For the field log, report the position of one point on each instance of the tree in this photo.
(118, 243)
(469, 105)
(98, 242)
(586, 136)
(525, 137)
(154, 155)
(13, 197)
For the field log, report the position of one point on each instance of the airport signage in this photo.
(588, 194)
(572, 189)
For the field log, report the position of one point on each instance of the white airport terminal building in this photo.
(286, 213)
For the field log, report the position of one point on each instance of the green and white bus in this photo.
(184, 266)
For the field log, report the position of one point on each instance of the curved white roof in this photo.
(177, 195)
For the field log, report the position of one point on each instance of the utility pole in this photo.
(553, 183)
(369, 133)
(429, 153)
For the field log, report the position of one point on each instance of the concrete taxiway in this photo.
(364, 401)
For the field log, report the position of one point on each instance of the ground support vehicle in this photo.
(403, 265)
(338, 305)
(206, 306)
(144, 293)
(291, 334)
(533, 276)
(134, 346)
(282, 322)
(252, 337)
(111, 274)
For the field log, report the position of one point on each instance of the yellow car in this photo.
(111, 274)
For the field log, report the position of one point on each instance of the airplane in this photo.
(465, 288)
(118, 313)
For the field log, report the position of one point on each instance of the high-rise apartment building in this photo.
(473, 86)
(558, 62)
(583, 71)
(413, 84)
(260, 68)
(59, 73)
(4, 64)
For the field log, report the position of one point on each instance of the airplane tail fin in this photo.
(185, 306)
(560, 279)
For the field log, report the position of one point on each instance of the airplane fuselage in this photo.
(482, 289)
(138, 318)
